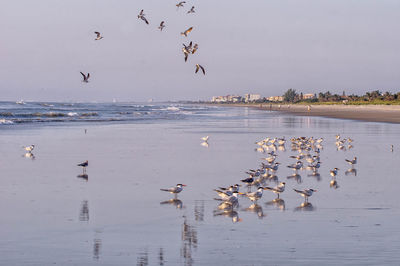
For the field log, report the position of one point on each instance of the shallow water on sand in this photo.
(118, 215)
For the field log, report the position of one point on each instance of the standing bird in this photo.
(186, 32)
(278, 189)
(84, 165)
(191, 10)
(334, 172)
(306, 193)
(200, 67)
(99, 37)
(162, 26)
(205, 138)
(29, 148)
(352, 162)
(180, 4)
(254, 196)
(174, 190)
(85, 77)
(142, 16)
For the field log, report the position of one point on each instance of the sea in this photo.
(53, 212)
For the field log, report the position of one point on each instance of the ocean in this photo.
(115, 214)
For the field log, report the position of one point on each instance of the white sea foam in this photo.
(4, 121)
(72, 114)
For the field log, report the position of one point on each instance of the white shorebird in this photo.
(186, 32)
(84, 165)
(205, 138)
(225, 194)
(85, 77)
(200, 67)
(98, 37)
(191, 10)
(278, 189)
(162, 25)
(231, 201)
(352, 162)
(174, 190)
(29, 148)
(334, 172)
(306, 193)
(142, 16)
(254, 196)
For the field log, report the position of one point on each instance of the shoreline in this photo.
(369, 113)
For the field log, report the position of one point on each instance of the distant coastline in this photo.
(366, 112)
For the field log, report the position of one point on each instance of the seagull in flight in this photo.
(195, 47)
(99, 37)
(180, 4)
(186, 50)
(142, 16)
(85, 77)
(191, 10)
(186, 32)
(162, 26)
(200, 67)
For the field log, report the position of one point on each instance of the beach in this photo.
(117, 215)
(372, 113)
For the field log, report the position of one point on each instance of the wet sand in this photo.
(371, 113)
(50, 214)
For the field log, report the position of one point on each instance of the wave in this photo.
(49, 114)
(6, 122)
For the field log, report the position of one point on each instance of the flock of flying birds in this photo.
(307, 158)
(187, 49)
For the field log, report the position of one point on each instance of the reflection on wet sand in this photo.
(334, 184)
(189, 242)
(316, 175)
(143, 259)
(29, 155)
(161, 257)
(199, 210)
(84, 212)
(296, 177)
(229, 213)
(205, 144)
(176, 202)
(256, 209)
(305, 206)
(83, 176)
(277, 203)
(351, 171)
(96, 248)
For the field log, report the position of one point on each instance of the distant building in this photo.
(308, 96)
(252, 97)
(227, 99)
(275, 99)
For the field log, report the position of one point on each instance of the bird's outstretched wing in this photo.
(84, 76)
(197, 68)
(97, 33)
(202, 69)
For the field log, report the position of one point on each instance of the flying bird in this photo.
(186, 32)
(99, 37)
(162, 26)
(180, 4)
(142, 16)
(200, 67)
(191, 10)
(195, 47)
(186, 50)
(85, 77)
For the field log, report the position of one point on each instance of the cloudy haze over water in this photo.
(258, 46)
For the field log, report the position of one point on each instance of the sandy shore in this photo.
(372, 113)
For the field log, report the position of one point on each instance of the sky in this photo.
(254, 46)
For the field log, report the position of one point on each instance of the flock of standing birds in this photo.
(308, 158)
(187, 49)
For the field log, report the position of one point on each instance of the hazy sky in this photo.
(256, 46)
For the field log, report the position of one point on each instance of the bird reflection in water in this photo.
(305, 206)
(316, 175)
(205, 144)
(84, 212)
(189, 242)
(229, 213)
(83, 176)
(334, 184)
(277, 203)
(96, 249)
(296, 177)
(351, 171)
(29, 155)
(199, 210)
(161, 257)
(176, 202)
(256, 209)
(143, 259)
(272, 178)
